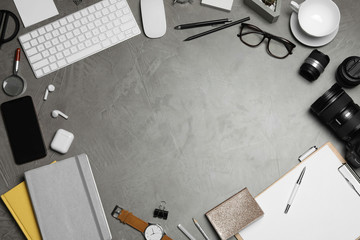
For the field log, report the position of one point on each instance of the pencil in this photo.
(200, 229)
(202, 24)
(217, 29)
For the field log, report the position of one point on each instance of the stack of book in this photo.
(59, 201)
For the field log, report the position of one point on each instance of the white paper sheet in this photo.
(223, 4)
(34, 11)
(325, 207)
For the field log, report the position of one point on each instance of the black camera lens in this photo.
(348, 72)
(314, 65)
(337, 110)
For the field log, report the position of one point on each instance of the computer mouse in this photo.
(153, 18)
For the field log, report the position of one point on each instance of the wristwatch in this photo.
(149, 230)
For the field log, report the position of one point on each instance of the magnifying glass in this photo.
(14, 85)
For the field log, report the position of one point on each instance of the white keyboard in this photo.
(78, 35)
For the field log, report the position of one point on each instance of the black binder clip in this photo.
(160, 212)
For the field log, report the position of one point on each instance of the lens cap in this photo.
(348, 72)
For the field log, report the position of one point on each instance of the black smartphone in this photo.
(23, 130)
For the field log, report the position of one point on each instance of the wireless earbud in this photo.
(50, 88)
(56, 113)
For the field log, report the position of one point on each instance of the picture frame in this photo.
(271, 15)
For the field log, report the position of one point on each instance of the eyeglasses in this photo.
(253, 36)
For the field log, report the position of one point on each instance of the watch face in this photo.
(153, 232)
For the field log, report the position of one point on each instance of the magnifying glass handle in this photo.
(17, 61)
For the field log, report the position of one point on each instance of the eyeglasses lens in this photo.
(277, 48)
(252, 37)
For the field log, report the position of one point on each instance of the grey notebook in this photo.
(66, 201)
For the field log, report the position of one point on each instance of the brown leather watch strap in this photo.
(135, 222)
(166, 237)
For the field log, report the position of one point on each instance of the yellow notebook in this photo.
(18, 201)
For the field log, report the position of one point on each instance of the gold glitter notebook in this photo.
(234, 214)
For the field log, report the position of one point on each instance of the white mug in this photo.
(317, 18)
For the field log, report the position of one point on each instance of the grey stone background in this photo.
(189, 123)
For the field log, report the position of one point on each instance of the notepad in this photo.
(222, 4)
(66, 201)
(17, 200)
(234, 214)
(325, 207)
(34, 11)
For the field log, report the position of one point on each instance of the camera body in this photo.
(337, 110)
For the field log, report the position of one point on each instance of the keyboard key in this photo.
(26, 45)
(63, 22)
(34, 34)
(62, 63)
(69, 35)
(81, 38)
(98, 6)
(73, 49)
(91, 9)
(67, 52)
(41, 31)
(81, 46)
(77, 15)
(53, 66)
(77, 24)
(40, 64)
(49, 28)
(70, 27)
(41, 39)
(56, 25)
(67, 44)
(62, 30)
(46, 69)
(55, 33)
(127, 26)
(33, 42)
(31, 51)
(62, 38)
(25, 38)
(39, 73)
(87, 43)
(48, 36)
(83, 29)
(52, 59)
(70, 18)
(55, 41)
(74, 41)
(47, 45)
(60, 47)
(84, 12)
(35, 58)
(45, 53)
(52, 50)
(59, 56)
(84, 53)
(41, 47)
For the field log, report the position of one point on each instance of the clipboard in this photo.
(326, 205)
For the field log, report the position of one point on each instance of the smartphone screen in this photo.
(23, 130)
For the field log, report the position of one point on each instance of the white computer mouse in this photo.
(153, 18)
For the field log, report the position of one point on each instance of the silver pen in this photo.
(200, 229)
(294, 191)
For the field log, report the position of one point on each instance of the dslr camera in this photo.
(337, 110)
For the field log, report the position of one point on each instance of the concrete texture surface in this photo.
(189, 123)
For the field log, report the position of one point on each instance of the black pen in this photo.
(217, 29)
(202, 24)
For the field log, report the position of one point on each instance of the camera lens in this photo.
(337, 110)
(314, 65)
(348, 72)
